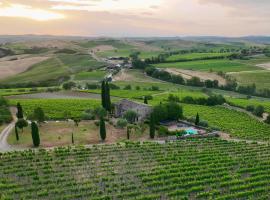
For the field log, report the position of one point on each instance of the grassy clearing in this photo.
(93, 76)
(261, 78)
(60, 134)
(208, 65)
(57, 108)
(198, 56)
(188, 169)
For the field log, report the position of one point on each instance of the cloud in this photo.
(19, 10)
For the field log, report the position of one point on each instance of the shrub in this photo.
(121, 123)
(163, 131)
(259, 110)
(131, 116)
(250, 108)
(127, 87)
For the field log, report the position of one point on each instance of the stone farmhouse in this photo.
(141, 109)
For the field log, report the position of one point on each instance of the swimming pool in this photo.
(191, 132)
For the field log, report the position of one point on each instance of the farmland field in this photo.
(237, 124)
(93, 76)
(219, 170)
(261, 78)
(207, 65)
(57, 108)
(194, 56)
(243, 103)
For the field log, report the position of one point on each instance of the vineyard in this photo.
(237, 124)
(188, 169)
(57, 108)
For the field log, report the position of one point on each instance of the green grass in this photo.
(187, 169)
(261, 78)
(57, 108)
(92, 76)
(207, 65)
(198, 56)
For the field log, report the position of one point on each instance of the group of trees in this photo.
(5, 115)
(22, 123)
(167, 111)
(212, 100)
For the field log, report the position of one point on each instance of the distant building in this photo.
(141, 109)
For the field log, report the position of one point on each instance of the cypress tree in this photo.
(145, 100)
(102, 129)
(103, 94)
(197, 120)
(35, 134)
(128, 132)
(17, 134)
(152, 126)
(107, 97)
(72, 138)
(19, 111)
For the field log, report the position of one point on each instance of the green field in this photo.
(208, 65)
(93, 76)
(198, 56)
(188, 169)
(261, 78)
(57, 108)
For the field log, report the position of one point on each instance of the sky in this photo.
(135, 18)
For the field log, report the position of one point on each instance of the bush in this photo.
(250, 108)
(121, 123)
(127, 87)
(203, 123)
(155, 88)
(259, 110)
(131, 116)
(163, 131)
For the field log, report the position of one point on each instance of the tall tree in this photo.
(108, 97)
(39, 115)
(197, 120)
(103, 94)
(35, 134)
(19, 111)
(145, 100)
(152, 126)
(17, 134)
(102, 129)
(72, 138)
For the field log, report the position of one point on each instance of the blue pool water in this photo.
(191, 131)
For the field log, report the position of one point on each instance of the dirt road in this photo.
(4, 146)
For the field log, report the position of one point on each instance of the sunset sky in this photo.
(135, 17)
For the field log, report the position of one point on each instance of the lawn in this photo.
(261, 78)
(60, 134)
(209, 65)
(187, 169)
(93, 76)
(196, 56)
(57, 108)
